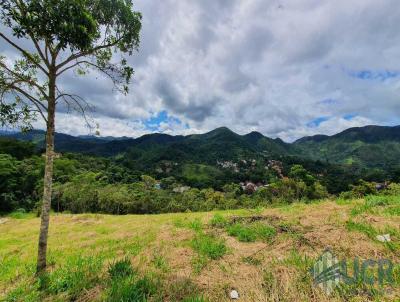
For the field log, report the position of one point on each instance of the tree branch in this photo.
(24, 79)
(32, 99)
(24, 52)
(85, 53)
(82, 105)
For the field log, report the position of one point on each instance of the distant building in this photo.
(181, 189)
(250, 188)
(382, 186)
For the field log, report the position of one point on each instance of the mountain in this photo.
(369, 146)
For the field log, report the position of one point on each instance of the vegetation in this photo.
(169, 257)
(84, 183)
(64, 36)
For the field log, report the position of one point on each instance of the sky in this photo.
(284, 68)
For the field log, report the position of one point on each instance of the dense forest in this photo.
(217, 170)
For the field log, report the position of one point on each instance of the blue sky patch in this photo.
(154, 122)
(379, 75)
(349, 116)
(317, 121)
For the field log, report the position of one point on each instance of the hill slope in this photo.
(370, 146)
(176, 257)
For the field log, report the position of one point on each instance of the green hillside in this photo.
(221, 156)
(370, 146)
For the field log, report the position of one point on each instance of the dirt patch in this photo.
(380, 222)
(254, 218)
(320, 215)
(3, 220)
(93, 294)
(87, 219)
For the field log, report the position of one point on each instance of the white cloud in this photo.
(258, 65)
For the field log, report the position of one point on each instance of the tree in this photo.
(65, 35)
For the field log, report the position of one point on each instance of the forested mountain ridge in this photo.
(370, 146)
(220, 160)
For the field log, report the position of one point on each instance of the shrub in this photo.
(360, 190)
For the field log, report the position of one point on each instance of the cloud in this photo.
(276, 67)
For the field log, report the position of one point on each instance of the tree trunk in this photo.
(48, 179)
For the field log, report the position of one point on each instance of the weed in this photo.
(131, 290)
(252, 232)
(264, 232)
(21, 214)
(343, 201)
(196, 225)
(179, 223)
(242, 232)
(209, 245)
(218, 221)
(392, 211)
(362, 228)
(160, 262)
(269, 283)
(27, 292)
(348, 292)
(120, 269)
(375, 204)
(396, 275)
(252, 260)
(78, 274)
(303, 263)
(199, 262)
(195, 299)
(182, 289)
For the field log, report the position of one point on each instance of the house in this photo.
(181, 189)
(250, 188)
(382, 186)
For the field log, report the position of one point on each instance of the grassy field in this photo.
(264, 254)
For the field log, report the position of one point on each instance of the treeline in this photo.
(90, 192)
(94, 184)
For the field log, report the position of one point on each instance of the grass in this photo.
(120, 269)
(193, 256)
(209, 246)
(252, 232)
(365, 228)
(131, 289)
(218, 221)
(387, 205)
